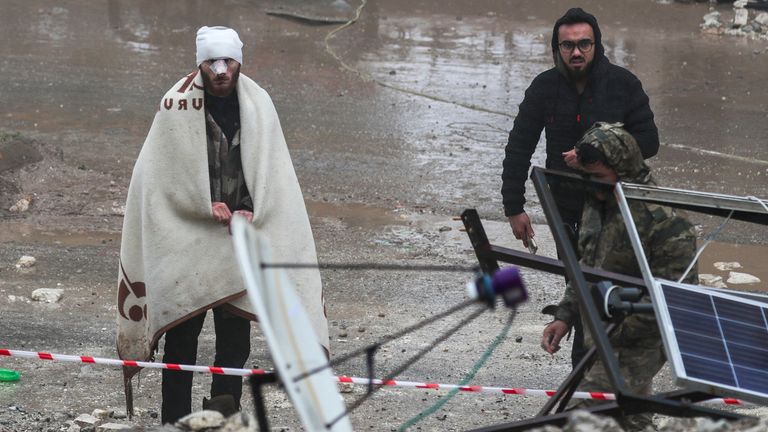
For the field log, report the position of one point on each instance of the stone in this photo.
(200, 420)
(47, 295)
(712, 20)
(762, 18)
(101, 413)
(120, 414)
(711, 280)
(21, 205)
(240, 422)
(107, 427)
(25, 262)
(583, 421)
(740, 15)
(727, 266)
(346, 387)
(737, 278)
(85, 420)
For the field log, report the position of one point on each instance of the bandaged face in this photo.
(220, 76)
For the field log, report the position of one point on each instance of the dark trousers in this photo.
(233, 346)
(571, 219)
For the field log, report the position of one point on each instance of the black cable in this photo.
(370, 266)
(386, 339)
(402, 368)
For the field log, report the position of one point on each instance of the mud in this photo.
(395, 125)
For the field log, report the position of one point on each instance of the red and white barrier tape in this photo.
(342, 379)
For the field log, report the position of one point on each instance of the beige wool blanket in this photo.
(176, 261)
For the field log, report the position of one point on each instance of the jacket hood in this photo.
(620, 150)
(574, 16)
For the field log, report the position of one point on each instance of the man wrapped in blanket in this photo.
(215, 151)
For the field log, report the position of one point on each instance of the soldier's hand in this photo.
(221, 212)
(553, 333)
(521, 227)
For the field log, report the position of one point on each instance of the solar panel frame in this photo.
(666, 326)
(675, 355)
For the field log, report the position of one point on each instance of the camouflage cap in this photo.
(620, 150)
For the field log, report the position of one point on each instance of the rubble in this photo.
(21, 205)
(25, 262)
(711, 280)
(737, 278)
(727, 266)
(740, 25)
(47, 295)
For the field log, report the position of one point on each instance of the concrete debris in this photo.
(762, 19)
(25, 262)
(740, 14)
(102, 414)
(583, 421)
(84, 420)
(200, 420)
(47, 295)
(727, 266)
(117, 210)
(13, 298)
(107, 427)
(712, 21)
(741, 25)
(240, 422)
(737, 278)
(21, 205)
(346, 387)
(711, 280)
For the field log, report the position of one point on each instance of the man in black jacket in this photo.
(583, 88)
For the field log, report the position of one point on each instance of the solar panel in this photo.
(716, 342)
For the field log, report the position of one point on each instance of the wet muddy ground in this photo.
(395, 125)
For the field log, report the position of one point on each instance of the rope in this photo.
(467, 378)
(711, 236)
(402, 368)
(368, 77)
(342, 379)
(386, 339)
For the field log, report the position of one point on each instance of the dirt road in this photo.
(388, 150)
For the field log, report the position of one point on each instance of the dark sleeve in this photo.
(639, 119)
(517, 155)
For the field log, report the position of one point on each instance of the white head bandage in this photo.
(218, 42)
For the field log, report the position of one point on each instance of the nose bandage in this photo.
(219, 66)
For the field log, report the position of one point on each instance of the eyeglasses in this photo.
(585, 45)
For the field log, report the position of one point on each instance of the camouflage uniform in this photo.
(225, 168)
(669, 243)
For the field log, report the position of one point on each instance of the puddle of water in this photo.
(19, 232)
(357, 215)
(752, 259)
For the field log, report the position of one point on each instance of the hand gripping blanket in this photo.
(176, 261)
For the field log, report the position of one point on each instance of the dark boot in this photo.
(225, 404)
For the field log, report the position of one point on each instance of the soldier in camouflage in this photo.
(608, 152)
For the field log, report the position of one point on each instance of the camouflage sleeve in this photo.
(673, 246)
(568, 308)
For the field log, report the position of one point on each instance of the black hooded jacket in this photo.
(612, 94)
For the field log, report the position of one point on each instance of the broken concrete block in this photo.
(25, 262)
(86, 420)
(711, 280)
(737, 278)
(726, 266)
(200, 420)
(47, 295)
